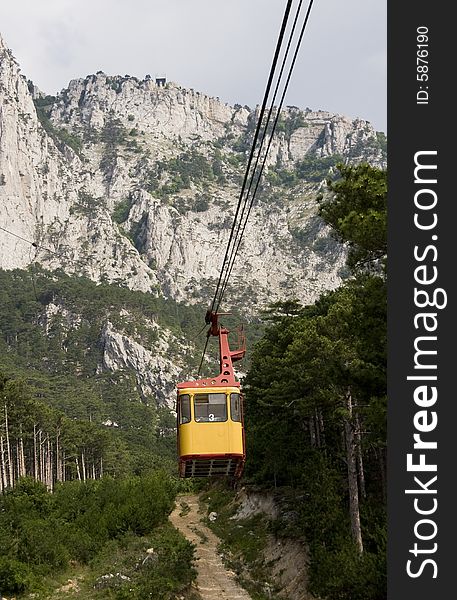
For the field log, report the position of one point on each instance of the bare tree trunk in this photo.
(22, 470)
(382, 468)
(64, 464)
(2, 465)
(101, 467)
(317, 429)
(77, 468)
(8, 450)
(58, 458)
(83, 465)
(49, 465)
(354, 509)
(41, 455)
(18, 461)
(35, 456)
(358, 445)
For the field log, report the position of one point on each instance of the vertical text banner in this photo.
(422, 366)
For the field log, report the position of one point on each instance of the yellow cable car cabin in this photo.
(210, 418)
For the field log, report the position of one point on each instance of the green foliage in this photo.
(357, 212)
(311, 169)
(45, 101)
(382, 141)
(113, 136)
(288, 123)
(58, 354)
(61, 136)
(15, 576)
(40, 533)
(347, 575)
(87, 204)
(303, 368)
(243, 540)
(201, 203)
(172, 573)
(70, 139)
(176, 174)
(296, 391)
(122, 210)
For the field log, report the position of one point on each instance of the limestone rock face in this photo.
(135, 183)
(160, 111)
(156, 373)
(49, 197)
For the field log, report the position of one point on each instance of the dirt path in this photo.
(213, 579)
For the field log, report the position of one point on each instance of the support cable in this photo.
(229, 271)
(256, 135)
(236, 242)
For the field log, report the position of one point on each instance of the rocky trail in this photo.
(213, 579)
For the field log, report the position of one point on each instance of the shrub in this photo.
(15, 576)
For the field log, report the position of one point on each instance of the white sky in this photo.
(221, 47)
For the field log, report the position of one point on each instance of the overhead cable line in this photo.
(251, 155)
(229, 271)
(34, 244)
(256, 135)
(238, 237)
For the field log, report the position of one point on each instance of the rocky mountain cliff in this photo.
(135, 183)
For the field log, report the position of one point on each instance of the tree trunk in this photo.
(8, 451)
(2, 465)
(77, 468)
(40, 457)
(35, 455)
(23, 470)
(58, 458)
(354, 510)
(358, 440)
(83, 465)
(49, 466)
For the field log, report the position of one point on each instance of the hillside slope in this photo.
(129, 182)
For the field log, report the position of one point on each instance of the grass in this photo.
(157, 566)
(203, 537)
(243, 541)
(185, 509)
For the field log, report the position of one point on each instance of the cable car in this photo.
(210, 415)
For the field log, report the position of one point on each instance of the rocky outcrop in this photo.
(135, 183)
(46, 199)
(156, 371)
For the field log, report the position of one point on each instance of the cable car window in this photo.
(235, 407)
(184, 408)
(210, 407)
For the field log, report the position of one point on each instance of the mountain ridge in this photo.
(172, 159)
(134, 184)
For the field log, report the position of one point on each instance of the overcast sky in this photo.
(221, 47)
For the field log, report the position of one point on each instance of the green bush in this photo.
(347, 575)
(15, 576)
(121, 210)
(40, 533)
